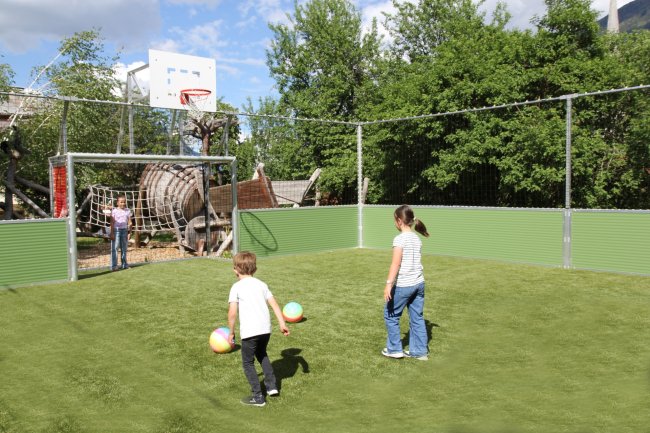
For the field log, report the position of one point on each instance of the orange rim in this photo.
(187, 93)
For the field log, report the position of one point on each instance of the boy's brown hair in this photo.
(245, 263)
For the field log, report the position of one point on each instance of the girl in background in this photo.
(120, 232)
(405, 288)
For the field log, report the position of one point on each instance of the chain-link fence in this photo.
(581, 151)
(577, 151)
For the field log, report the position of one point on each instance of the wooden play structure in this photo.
(171, 198)
(258, 193)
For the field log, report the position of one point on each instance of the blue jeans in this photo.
(121, 240)
(411, 297)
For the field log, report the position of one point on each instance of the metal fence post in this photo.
(235, 208)
(63, 136)
(566, 229)
(360, 184)
(72, 220)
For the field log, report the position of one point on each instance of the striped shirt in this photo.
(410, 270)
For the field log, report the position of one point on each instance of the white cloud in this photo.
(205, 36)
(24, 24)
(249, 61)
(227, 70)
(171, 45)
(523, 10)
(271, 11)
(141, 77)
(376, 11)
(246, 23)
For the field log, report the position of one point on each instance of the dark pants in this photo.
(255, 348)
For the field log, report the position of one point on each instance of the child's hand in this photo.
(231, 338)
(387, 293)
(284, 330)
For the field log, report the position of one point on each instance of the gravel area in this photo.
(98, 256)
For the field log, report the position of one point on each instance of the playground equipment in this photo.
(171, 198)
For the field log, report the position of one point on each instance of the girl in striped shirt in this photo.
(405, 288)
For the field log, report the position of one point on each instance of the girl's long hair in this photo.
(405, 214)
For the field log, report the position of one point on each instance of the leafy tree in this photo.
(418, 29)
(324, 66)
(81, 72)
(274, 141)
(506, 157)
(468, 63)
(6, 78)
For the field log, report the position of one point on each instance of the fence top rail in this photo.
(343, 122)
(34, 221)
(134, 104)
(132, 158)
(508, 105)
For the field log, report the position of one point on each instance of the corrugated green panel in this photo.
(33, 252)
(298, 230)
(519, 235)
(611, 241)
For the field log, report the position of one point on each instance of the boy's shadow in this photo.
(287, 366)
(429, 325)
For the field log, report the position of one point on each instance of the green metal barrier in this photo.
(514, 235)
(611, 241)
(297, 230)
(33, 251)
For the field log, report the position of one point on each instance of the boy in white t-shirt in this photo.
(249, 297)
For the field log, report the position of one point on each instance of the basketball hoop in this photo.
(195, 100)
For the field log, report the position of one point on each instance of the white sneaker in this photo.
(396, 355)
(421, 357)
(272, 392)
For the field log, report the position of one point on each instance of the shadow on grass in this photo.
(288, 365)
(97, 273)
(429, 325)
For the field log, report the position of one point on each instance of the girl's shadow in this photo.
(429, 325)
(287, 366)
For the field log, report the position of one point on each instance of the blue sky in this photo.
(234, 33)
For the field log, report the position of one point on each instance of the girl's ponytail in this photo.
(405, 214)
(421, 228)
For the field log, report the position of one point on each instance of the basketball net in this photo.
(195, 100)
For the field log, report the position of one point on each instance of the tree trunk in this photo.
(33, 185)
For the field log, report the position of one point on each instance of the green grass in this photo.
(513, 349)
(85, 243)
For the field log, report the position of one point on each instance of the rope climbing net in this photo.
(162, 216)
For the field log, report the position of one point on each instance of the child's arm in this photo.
(276, 309)
(112, 235)
(392, 272)
(232, 318)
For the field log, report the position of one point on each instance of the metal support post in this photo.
(566, 230)
(63, 136)
(206, 206)
(360, 186)
(72, 220)
(235, 208)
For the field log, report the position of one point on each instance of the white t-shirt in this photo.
(252, 294)
(410, 270)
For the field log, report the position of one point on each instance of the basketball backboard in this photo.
(171, 72)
